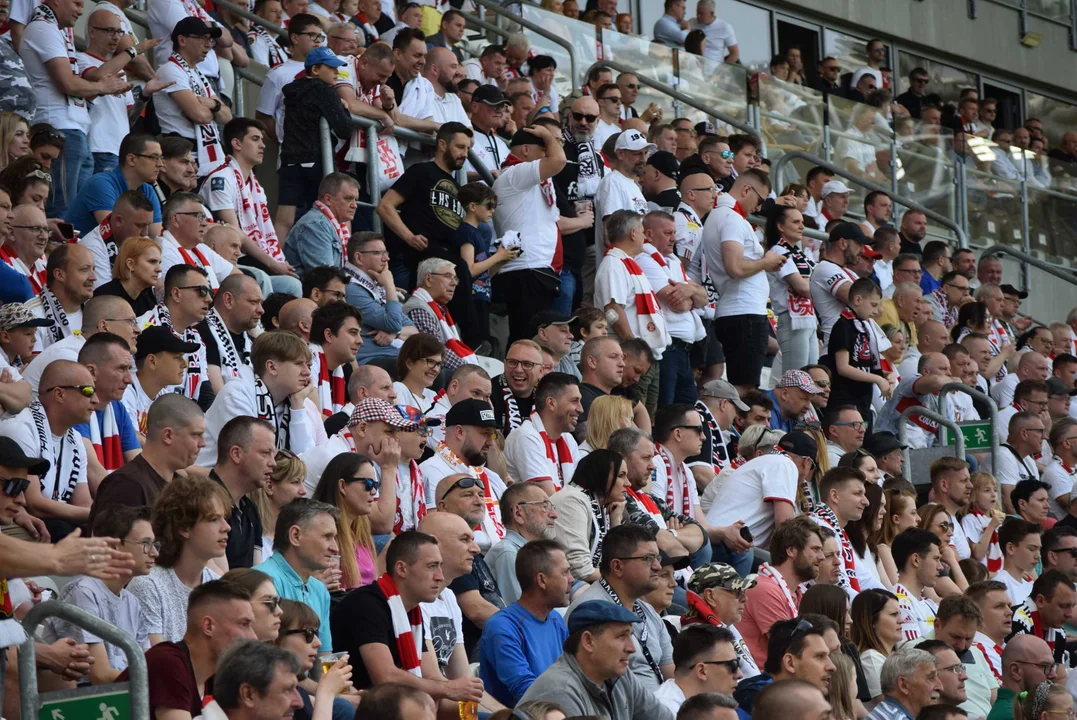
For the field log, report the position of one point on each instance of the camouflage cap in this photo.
(719, 575)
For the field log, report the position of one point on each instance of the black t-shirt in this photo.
(361, 618)
(430, 209)
(480, 578)
(245, 531)
(908, 247)
(669, 198)
(846, 336)
(589, 393)
(501, 409)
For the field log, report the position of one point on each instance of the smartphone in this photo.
(746, 533)
(66, 230)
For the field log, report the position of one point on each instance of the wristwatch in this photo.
(132, 52)
(216, 105)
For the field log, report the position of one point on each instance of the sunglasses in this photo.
(463, 483)
(13, 487)
(580, 117)
(308, 633)
(85, 390)
(204, 291)
(731, 666)
(369, 483)
(272, 604)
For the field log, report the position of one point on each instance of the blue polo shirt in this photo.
(928, 283)
(776, 420)
(312, 592)
(101, 193)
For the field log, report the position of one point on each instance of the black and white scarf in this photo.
(590, 165)
(637, 608)
(364, 281)
(61, 491)
(600, 518)
(277, 55)
(54, 310)
(195, 372)
(231, 360)
(512, 408)
(45, 14)
(267, 410)
(208, 149)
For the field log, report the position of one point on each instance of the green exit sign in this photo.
(111, 705)
(977, 435)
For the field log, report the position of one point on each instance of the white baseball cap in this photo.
(634, 140)
(835, 186)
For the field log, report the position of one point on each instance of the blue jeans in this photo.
(676, 383)
(70, 172)
(703, 555)
(741, 562)
(380, 541)
(563, 304)
(274, 283)
(104, 162)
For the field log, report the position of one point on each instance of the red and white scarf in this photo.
(105, 438)
(564, 462)
(36, 275)
(993, 561)
(673, 476)
(848, 578)
(105, 231)
(253, 210)
(450, 333)
(208, 148)
(651, 326)
(647, 502)
(491, 523)
(332, 393)
(343, 232)
(767, 570)
(407, 627)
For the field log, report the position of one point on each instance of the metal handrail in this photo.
(983, 398)
(138, 683)
(487, 26)
(903, 434)
(248, 15)
(779, 169)
(1030, 260)
(371, 128)
(537, 29)
(679, 96)
(138, 17)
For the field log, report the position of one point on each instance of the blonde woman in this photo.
(14, 137)
(285, 485)
(135, 273)
(607, 414)
(900, 515)
(349, 483)
(842, 695)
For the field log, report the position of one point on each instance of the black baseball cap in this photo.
(848, 231)
(665, 163)
(489, 95)
(547, 318)
(195, 26)
(882, 443)
(12, 456)
(705, 128)
(471, 411)
(524, 137)
(680, 562)
(1011, 290)
(159, 339)
(799, 443)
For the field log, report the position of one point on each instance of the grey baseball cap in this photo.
(722, 389)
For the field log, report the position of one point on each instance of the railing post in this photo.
(1026, 273)
(1073, 24)
(237, 85)
(373, 188)
(893, 163)
(325, 141)
(992, 408)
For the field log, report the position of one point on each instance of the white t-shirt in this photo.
(1017, 589)
(108, 113)
(1060, 478)
(66, 453)
(443, 623)
(43, 41)
(22, 9)
(1012, 470)
(418, 100)
(137, 402)
(615, 192)
(102, 263)
(614, 283)
(528, 206)
(856, 148)
(271, 99)
(867, 572)
(825, 281)
(686, 325)
(603, 132)
(746, 296)
(1002, 391)
(238, 398)
(525, 453)
(490, 149)
(163, 16)
(749, 493)
(682, 477)
(216, 267)
(670, 694)
(66, 349)
(720, 38)
(45, 338)
(959, 540)
(435, 469)
(917, 615)
(779, 288)
(169, 113)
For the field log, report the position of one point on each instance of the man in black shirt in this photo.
(913, 232)
(602, 365)
(362, 622)
(659, 181)
(246, 452)
(913, 98)
(237, 309)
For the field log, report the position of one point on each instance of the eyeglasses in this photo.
(491, 204)
(464, 483)
(958, 669)
(708, 189)
(272, 603)
(911, 271)
(369, 483)
(632, 86)
(315, 36)
(451, 277)
(13, 487)
(649, 558)
(1071, 714)
(1040, 430)
(196, 214)
(111, 32)
(433, 364)
(545, 504)
(854, 424)
(335, 294)
(525, 364)
(35, 229)
(696, 428)
(308, 633)
(731, 666)
(379, 253)
(204, 291)
(150, 547)
(584, 117)
(1048, 668)
(200, 38)
(133, 322)
(155, 158)
(84, 390)
(822, 383)
(959, 287)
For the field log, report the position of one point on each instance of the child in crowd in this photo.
(854, 351)
(473, 239)
(982, 521)
(590, 322)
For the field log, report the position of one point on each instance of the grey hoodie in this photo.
(622, 698)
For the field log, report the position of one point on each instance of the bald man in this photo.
(1030, 366)
(791, 700)
(920, 388)
(69, 283)
(933, 337)
(62, 497)
(441, 69)
(296, 316)
(237, 309)
(104, 313)
(24, 248)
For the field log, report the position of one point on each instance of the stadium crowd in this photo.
(267, 446)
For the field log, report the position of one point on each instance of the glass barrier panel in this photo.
(650, 60)
(719, 85)
(1052, 207)
(859, 139)
(993, 194)
(792, 119)
(1056, 116)
(925, 170)
(1053, 9)
(946, 81)
(580, 34)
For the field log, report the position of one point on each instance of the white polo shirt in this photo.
(827, 278)
(449, 109)
(750, 492)
(1061, 479)
(41, 42)
(614, 283)
(685, 325)
(525, 453)
(720, 38)
(746, 296)
(615, 192)
(108, 113)
(528, 206)
(216, 267)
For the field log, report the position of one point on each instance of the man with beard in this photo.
(513, 392)
(529, 516)
(543, 450)
(952, 489)
(576, 187)
(629, 570)
(602, 366)
(913, 232)
(469, 381)
(796, 553)
(440, 70)
(832, 279)
(69, 283)
(843, 500)
(619, 190)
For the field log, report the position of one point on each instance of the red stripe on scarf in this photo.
(409, 658)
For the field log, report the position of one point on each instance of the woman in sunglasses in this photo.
(299, 634)
(264, 599)
(935, 519)
(349, 483)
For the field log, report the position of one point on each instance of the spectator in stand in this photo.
(958, 622)
(790, 292)
(834, 202)
(913, 232)
(236, 311)
(816, 180)
(1017, 454)
(139, 165)
(1046, 611)
(936, 262)
(335, 339)
(489, 69)
(721, 43)
(185, 223)
(180, 171)
(831, 280)
(69, 284)
(844, 427)
(797, 650)
(428, 309)
(321, 236)
(24, 245)
(543, 450)
(717, 598)
(913, 98)
(441, 69)
(266, 47)
(671, 29)
(109, 437)
(910, 682)
(513, 391)
(529, 516)
(877, 207)
(609, 105)
(450, 33)
(1058, 474)
(694, 681)
(947, 300)
(130, 218)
